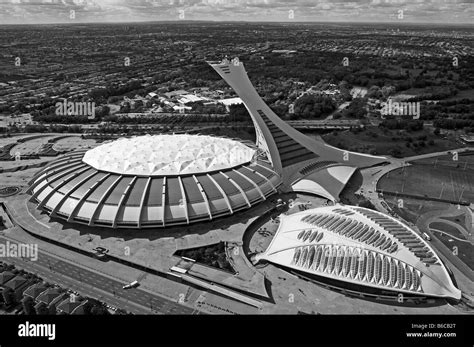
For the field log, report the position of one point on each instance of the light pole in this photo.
(49, 265)
(442, 188)
(462, 192)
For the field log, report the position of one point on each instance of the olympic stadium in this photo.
(161, 181)
(154, 181)
(165, 180)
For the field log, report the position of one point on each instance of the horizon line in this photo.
(243, 21)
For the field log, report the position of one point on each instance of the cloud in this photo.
(59, 11)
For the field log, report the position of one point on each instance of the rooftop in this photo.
(162, 155)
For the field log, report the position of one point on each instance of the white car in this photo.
(133, 284)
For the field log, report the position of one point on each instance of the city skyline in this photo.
(111, 11)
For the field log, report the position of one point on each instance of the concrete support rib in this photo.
(401, 276)
(142, 201)
(70, 157)
(47, 183)
(239, 188)
(163, 201)
(204, 196)
(259, 174)
(47, 174)
(122, 199)
(69, 192)
(222, 192)
(252, 183)
(102, 199)
(53, 165)
(61, 184)
(85, 196)
(183, 196)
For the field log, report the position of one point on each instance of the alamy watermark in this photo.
(395, 108)
(28, 329)
(19, 250)
(75, 108)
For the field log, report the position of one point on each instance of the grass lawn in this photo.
(375, 140)
(462, 94)
(426, 180)
(464, 161)
(464, 249)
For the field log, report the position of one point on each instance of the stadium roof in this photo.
(362, 247)
(154, 181)
(168, 155)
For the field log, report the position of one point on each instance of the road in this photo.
(437, 154)
(340, 108)
(447, 234)
(298, 124)
(89, 282)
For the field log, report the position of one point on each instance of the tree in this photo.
(102, 111)
(395, 152)
(314, 106)
(42, 309)
(28, 305)
(99, 310)
(125, 108)
(8, 296)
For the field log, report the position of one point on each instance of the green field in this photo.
(413, 208)
(464, 249)
(463, 160)
(462, 94)
(375, 140)
(441, 182)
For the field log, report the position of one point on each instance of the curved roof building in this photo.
(154, 181)
(359, 246)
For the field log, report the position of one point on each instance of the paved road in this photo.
(447, 234)
(437, 154)
(96, 285)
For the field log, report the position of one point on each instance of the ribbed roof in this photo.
(71, 188)
(360, 246)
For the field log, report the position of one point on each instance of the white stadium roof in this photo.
(359, 246)
(168, 155)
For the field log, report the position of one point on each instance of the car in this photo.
(101, 250)
(131, 285)
(100, 253)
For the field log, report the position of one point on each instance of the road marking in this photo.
(445, 233)
(26, 206)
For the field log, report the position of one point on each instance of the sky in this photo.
(105, 11)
